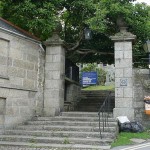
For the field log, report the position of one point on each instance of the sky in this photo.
(145, 1)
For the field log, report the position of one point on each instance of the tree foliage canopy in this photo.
(40, 17)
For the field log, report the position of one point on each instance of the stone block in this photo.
(51, 102)
(29, 66)
(29, 84)
(123, 45)
(25, 111)
(123, 103)
(4, 92)
(10, 61)
(3, 70)
(54, 66)
(49, 58)
(20, 102)
(128, 92)
(15, 43)
(4, 47)
(3, 60)
(24, 56)
(2, 81)
(23, 64)
(56, 75)
(9, 101)
(49, 111)
(16, 54)
(58, 58)
(16, 81)
(119, 54)
(139, 104)
(2, 121)
(17, 93)
(53, 50)
(31, 75)
(129, 112)
(123, 63)
(29, 47)
(12, 111)
(119, 92)
(31, 94)
(12, 121)
(128, 54)
(127, 72)
(118, 73)
(32, 58)
(54, 84)
(16, 72)
(118, 46)
(127, 45)
(2, 106)
(53, 93)
(36, 68)
(19, 63)
(127, 84)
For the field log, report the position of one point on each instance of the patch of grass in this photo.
(99, 87)
(66, 141)
(124, 138)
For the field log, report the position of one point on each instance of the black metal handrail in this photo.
(104, 112)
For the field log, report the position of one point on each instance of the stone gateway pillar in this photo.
(123, 73)
(54, 76)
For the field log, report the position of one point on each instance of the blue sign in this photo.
(89, 78)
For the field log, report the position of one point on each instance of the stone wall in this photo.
(21, 78)
(72, 95)
(141, 78)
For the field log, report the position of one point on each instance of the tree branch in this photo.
(77, 43)
(87, 51)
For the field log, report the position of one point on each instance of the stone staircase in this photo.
(92, 100)
(70, 130)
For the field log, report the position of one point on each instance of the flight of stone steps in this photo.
(92, 100)
(70, 130)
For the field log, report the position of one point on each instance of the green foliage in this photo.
(124, 138)
(37, 17)
(89, 67)
(66, 141)
(99, 87)
(101, 76)
(100, 72)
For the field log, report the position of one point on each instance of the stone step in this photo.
(56, 140)
(64, 128)
(94, 108)
(98, 105)
(46, 133)
(69, 118)
(97, 99)
(67, 131)
(97, 93)
(68, 123)
(79, 114)
(30, 146)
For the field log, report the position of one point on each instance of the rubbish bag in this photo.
(136, 127)
(125, 127)
(131, 127)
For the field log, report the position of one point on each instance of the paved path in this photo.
(144, 146)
